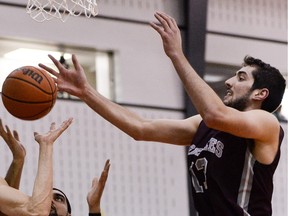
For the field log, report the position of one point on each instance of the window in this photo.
(98, 65)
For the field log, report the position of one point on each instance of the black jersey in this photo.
(226, 178)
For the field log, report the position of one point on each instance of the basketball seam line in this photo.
(44, 74)
(11, 77)
(31, 117)
(30, 102)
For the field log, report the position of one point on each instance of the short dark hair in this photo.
(266, 76)
(67, 200)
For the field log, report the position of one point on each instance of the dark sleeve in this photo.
(94, 214)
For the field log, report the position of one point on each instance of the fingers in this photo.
(63, 127)
(103, 178)
(11, 139)
(105, 172)
(53, 133)
(5, 133)
(66, 124)
(167, 22)
(53, 126)
(1, 125)
(2, 130)
(15, 134)
(156, 27)
(106, 169)
(48, 69)
(8, 134)
(56, 62)
(7, 129)
(76, 63)
(107, 166)
(163, 21)
(166, 18)
(95, 182)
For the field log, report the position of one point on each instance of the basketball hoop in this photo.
(42, 10)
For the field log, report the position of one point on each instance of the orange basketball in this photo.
(29, 93)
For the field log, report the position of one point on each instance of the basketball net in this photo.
(42, 10)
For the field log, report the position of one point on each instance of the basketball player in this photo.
(234, 143)
(14, 202)
(60, 205)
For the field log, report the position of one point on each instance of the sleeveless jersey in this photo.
(226, 178)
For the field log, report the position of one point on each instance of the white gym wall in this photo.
(145, 178)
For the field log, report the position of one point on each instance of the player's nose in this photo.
(228, 82)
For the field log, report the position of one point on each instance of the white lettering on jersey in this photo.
(213, 145)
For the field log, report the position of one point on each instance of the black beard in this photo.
(240, 103)
(53, 211)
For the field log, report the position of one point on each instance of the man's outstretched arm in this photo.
(74, 81)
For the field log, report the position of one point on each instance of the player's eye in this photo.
(241, 78)
(59, 198)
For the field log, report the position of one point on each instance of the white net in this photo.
(41, 10)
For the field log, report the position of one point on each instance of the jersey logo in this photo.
(213, 145)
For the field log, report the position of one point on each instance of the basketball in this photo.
(29, 93)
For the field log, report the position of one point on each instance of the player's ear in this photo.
(260, 94)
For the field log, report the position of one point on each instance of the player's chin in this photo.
(226, 101)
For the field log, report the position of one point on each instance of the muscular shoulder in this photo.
(264, 123)
(266, 135)
(252, 124)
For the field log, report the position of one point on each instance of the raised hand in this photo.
(170, 34)
(53, 133)
(95, 194)
(14, 173)
(13, 142)
(72, 81)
